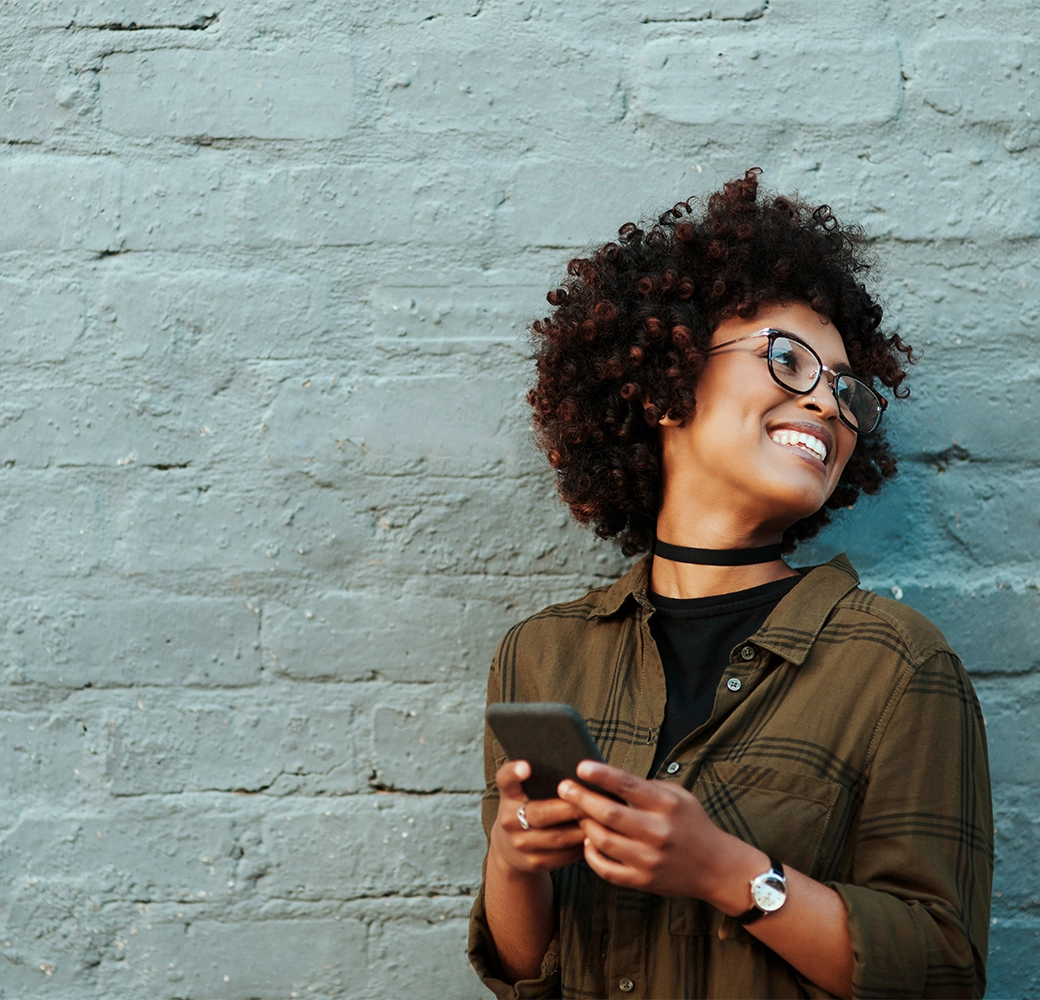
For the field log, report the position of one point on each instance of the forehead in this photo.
(794, 317)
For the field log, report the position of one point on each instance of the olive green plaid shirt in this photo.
(852, 749)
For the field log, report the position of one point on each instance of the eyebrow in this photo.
(841, 368)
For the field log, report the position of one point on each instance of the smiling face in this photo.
(754, 458)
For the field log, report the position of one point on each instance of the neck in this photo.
(673, 578)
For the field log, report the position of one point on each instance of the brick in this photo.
(953, 309)
(244, 960)
(397, 424)
(221, 93)
(381, 844)
(938, 428)
(146, 850)
(469, 86)
(431, 745)
(742, 81)
(257, 313)
(402, 637)
(241, 745)
(469, 527)
(68, 425)
(40, 320)
(1017, 825)
(990, 627)
(106, 206)
(39, 98)
(351, 206)
(981, 197)
(985, 513)
(194, 527)
(1014, 958)
(39, 753)
(902, 193)
(985, 80)
(52, 526)
(104, 14)
(558, 204)
(924, 516)
(190, 641)
(1012, 728)
(419, 958)
(882, 534)
(473, 306)
(59, 202)
(717, 10)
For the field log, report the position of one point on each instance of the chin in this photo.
(796, 505)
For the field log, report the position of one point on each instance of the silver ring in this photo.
(522, 818)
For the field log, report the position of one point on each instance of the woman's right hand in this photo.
(553, 838)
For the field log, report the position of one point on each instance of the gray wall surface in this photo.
(267, 492)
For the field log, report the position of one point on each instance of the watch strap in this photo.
(750, 916)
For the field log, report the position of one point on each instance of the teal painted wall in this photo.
(267, 492)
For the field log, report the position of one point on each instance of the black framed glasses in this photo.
(797, 368)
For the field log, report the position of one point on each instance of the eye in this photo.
(788, 356)
(848, 388)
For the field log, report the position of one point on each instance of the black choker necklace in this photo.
(716, 557)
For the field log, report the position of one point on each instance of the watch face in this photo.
(769, 894)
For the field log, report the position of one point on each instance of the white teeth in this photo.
(797, 439)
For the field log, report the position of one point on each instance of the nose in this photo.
(822, 399)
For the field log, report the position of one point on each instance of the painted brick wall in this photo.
(267, 495)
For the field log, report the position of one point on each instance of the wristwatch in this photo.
(768, 893)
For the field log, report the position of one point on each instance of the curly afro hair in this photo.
(630, 330)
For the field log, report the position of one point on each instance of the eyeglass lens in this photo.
(796, 368)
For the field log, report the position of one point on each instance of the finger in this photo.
(509, 778)
(556, 838)
(550, 862)
(607, 812)
(635, 791)
(534, 851)
(544, 813)
(608, 869)
(633, 854)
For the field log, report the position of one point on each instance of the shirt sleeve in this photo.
(483, 955)
(922, 865)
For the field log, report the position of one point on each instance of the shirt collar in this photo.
(789, 631)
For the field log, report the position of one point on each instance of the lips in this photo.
(812, 439)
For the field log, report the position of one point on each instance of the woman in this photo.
(803, 762)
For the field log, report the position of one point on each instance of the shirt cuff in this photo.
(483, 956)
(890, 952)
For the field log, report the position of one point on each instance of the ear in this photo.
(666, 420)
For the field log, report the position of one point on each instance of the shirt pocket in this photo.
(786, 814)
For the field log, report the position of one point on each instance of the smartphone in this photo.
(551, 737)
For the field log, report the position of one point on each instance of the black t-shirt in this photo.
(694, 637)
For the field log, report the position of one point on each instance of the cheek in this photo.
(845, 450)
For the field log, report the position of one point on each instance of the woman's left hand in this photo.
(662, 841)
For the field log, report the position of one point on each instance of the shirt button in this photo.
(626, 986)
(747, 653)
(672, 769)
(733, 684)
